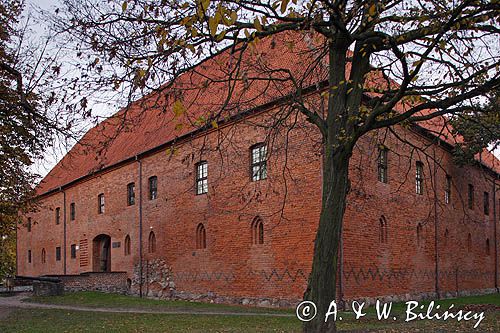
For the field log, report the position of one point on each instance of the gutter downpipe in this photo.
(495, 221)
(140, 224)
(17, 248)
(436, 254)
(64, 221)
(341, 271)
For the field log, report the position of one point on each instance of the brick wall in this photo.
(288, 202)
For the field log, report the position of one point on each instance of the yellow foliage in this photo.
(178, 108)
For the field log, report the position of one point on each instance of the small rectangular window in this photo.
(58, 253)
(72, 211)
(470, 196)
(419, 178)
(486, 205)
(28, 224)
(202, 177)
(29, 256)
(100, 203)
(259, 162)
(73, 251)
(382, 165)
(447, 190)
(131, 194)
(58, 215)
(153, 187)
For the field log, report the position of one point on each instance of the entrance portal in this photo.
(102, 253)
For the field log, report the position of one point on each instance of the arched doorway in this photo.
(102, 253)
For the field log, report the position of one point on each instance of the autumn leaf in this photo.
(178, 108)
(284, 5)
(234, 16)
(373, 10)
(212, 25)
(257, 25)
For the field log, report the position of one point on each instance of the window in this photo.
(471, 196)
(469, 243)
(419, 235)
(202, 177)
(259, 161)
(58, 215)
(131, 194)
(257, 231)
(29, 256)
(58, 253)
(28, 225)
(487, 246)
(201, 237)
(486, 203)
(382, 164)
(72, 211)
(73, 251)
(153, 187)
(383, 229)
(100, 203)
(447, 190)
(152, 242)
(44, 256)
(127, 245)
(419, 178)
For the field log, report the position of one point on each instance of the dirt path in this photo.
(7, 304)
(4, 312)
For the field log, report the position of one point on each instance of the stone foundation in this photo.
(158, 283)
(157, 279)
(112, 282)
(292, 303)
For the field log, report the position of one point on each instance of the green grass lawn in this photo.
(55, 320)
(493, 299)
(43, 320)
(104, 300)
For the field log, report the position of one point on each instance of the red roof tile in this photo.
(150, 121)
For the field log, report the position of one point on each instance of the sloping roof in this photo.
(151, 122)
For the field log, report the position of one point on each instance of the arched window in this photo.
(382, 229)
(44, 256)
(487, 246)
(419, 234)
(257, 230)
(201, 237)
(152, 242)
(127, 245)
(469, 242)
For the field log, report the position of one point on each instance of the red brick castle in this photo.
(230, 212)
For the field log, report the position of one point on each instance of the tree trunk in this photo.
(321, 288)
